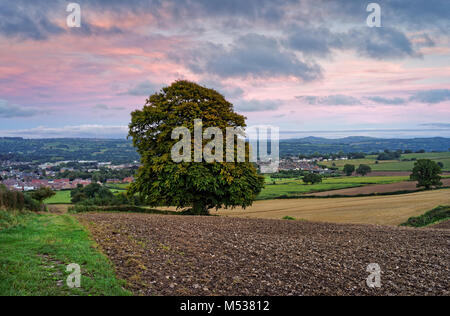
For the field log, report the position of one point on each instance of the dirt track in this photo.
(176, 255)
(377, 188)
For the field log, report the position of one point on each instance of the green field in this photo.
(296, 186)
(395, 165)
(35, 251)
(61, 197)
(280, 188)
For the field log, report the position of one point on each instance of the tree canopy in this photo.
(199, 185)
(91, 191)
(42, 194)
(427, 174)
(312, 178)
(349, 169)
(363, 170)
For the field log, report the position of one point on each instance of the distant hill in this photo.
(122, 151)
(48, 150)
(310, 145)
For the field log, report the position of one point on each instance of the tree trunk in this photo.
(200, 209)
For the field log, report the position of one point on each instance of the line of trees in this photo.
(362, 170)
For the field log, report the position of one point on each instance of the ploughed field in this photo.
(177, 255)
(442, 225)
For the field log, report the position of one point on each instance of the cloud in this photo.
(431, 96)
(108, 108)
(251, 55)
(79, 131)
(376, 43)
(379, 43)
(257, 105)
(8, 110)
(228, 91)
(145, 88)
(330, 100)
(26, 21)
(313, 41)
(437, 125)
(382, 100)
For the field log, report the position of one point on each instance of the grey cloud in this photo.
(427, 96)
(257, 105)
(379, 43)
(145, 88)
(252, 55)
(437, 125)
(393, 101)
(313, 41)
(431, 96)
(414, 16)
(8, 110)
(19, 23)
(228, 91)
(376, 43)
(330, 100)
(108, 108)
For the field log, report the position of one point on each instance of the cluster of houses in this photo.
(57, 184)
(303, 165)
(42, 175)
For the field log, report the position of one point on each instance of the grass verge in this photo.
(434, 216)
(35, 250)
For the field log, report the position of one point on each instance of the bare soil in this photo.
(179, 255)
(442, 225)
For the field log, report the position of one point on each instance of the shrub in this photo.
(436, 215)
(312, 178)
(11, 200)
(389, 155)
(32, 205)
(92, 191)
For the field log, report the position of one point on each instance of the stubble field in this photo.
(382, 210)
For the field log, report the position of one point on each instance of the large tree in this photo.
(42, 194)
(349, 169)
(427, 174)
(312, 178)
(363, 170)
(199, 185)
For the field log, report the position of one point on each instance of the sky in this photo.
(310, 67)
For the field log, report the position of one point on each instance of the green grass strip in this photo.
(34, 253)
